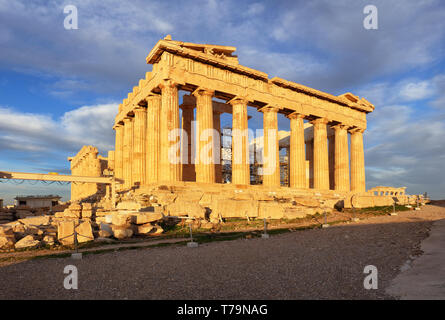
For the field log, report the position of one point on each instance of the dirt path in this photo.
(309, 264)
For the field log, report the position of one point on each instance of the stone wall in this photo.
(88, 163)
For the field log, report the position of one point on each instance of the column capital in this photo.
(203, 92)
(128, 119)
(152, 96)
(118, 125)
(340, 126)
(320, 121)
(168, 83)
(296, 115)
(356, 130)
(140, 109)
(238, 100)
(268, 108)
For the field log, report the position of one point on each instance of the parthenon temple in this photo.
(168, 130)
(144, 154)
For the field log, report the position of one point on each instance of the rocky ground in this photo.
(309, 264)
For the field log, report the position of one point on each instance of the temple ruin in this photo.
(172, 151)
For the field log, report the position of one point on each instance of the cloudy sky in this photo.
(59, 88)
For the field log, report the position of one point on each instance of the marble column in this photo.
(240, 142)
(118, 173)
(341, 158)
(321, 160)
(153, 136)
(204, 162)
(140, 146)
(217, 146)
(271, 157)
(357, 161)
(310, 163)
(188, 168)
(297, 157)
(331, 156)
(169, 135)
(128, 151)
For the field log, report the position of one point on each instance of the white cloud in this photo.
(405, 149)
(416, 90)
(29, 132)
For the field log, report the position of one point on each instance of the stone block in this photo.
(49, 240)
(121, 219)
(144, 229)
(6, 230)
(186, 208)
(146, 217)
(7, 241)
(122, 232)
(236, 208)
(65, 232)
(128, 205)
(84, 232)
(27, 242)
(36, 221)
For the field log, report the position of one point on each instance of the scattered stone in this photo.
(6, 231)
(7, 241)
(121, 219)
(84, 232)
(128, 205)
(158, 230)
(145, 228)
(27, 242)
(122, 233)
(104, 234)
(146, 217)
(49, 240)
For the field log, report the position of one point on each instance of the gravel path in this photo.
(311, 264)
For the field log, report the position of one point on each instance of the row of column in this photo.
(318, 153)
(148, 145)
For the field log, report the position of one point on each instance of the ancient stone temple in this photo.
(154, 139)
(170, 152)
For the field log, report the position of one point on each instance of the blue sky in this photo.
(59, 89)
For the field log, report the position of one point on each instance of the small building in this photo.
(47, 201)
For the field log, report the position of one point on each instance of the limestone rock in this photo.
(121, 219)
(146, 217)
(158, 230)
(122, 233)
(6, 241)
(84, 232)
(36, 221)
(144, 229)
(188, 208)
(6, 230)
(236, 208)
(104, 234)
(27, 242)
(307, 202)
(128, 205)
(49, 240)
(65, 232)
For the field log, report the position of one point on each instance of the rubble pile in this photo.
(85, 220)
